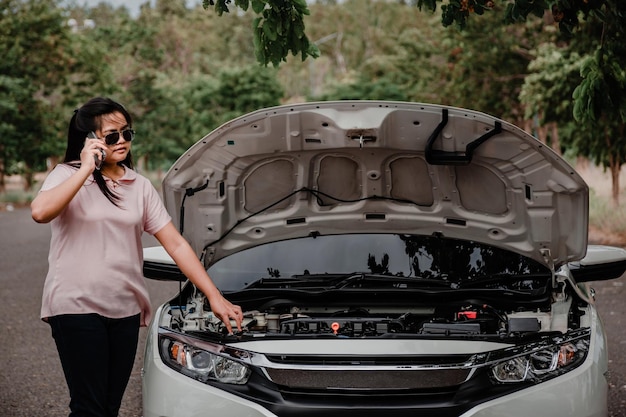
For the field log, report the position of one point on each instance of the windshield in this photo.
(457, 262)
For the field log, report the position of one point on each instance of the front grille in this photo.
(371, 379)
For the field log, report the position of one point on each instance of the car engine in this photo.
(288, 320)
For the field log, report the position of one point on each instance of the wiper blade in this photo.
(299, 281)
(351, 280)
(503, 278)
(379, 281)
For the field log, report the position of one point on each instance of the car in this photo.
(391, 258)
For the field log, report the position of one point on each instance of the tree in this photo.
(369, 49)
(39, 55)
(590, 69)
(486, 73)
(599, 99)
(600, 108)
(165, 73)
(602, 87)
(177, 114)
(179, 85)
(278, 30)
(366, 89)
(547, 94)
(12, 93)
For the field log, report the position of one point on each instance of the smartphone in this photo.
(92, 135)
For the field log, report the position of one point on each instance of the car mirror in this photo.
(158, 265)
(601, 263)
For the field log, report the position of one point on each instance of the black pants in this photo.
(97, 356)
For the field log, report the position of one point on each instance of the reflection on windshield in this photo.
(425, 257)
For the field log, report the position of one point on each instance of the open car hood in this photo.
(370, 166)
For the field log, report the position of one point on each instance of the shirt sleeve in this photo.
(156, 216)
(58, 175)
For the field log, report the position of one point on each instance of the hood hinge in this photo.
(564, 276)
(547, 257)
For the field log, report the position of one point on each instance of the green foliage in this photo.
(521, 9)
(486, 73)
(382, 45)
(278, 30)
(32, 40)
(35, 69)
(365, 89)
(602, 87)
(182, 72)
(11, 95)
(564, 12)
(457, 11)
(547, 89)
(586, 80)
(55, 59)
(601, 92)
(242, 90)
(178, 113)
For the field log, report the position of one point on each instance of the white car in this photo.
(391, 258)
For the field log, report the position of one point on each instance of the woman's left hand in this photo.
(226, 311)
(178, 248)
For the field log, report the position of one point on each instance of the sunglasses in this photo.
(113, 138)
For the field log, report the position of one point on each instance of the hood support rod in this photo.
(188, 193)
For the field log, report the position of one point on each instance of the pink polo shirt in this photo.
(96, 256)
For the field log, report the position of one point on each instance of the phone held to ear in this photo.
(92, 135)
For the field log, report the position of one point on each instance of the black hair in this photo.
(88, 118)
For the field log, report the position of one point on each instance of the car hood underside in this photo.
(367, 166)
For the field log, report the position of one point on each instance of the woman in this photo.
(94, 297)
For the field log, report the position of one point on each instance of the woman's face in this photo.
(115, 123)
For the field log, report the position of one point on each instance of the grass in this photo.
(16, 198)
(603, 215)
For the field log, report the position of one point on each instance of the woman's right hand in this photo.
(48, 204)
(93, 150)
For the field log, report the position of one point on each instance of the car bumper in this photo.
(579, 393)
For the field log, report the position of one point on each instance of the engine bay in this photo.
(452, 319)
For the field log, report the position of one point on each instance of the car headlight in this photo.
(201, 364)
(539, 362)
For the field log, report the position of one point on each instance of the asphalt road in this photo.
(31, 379)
